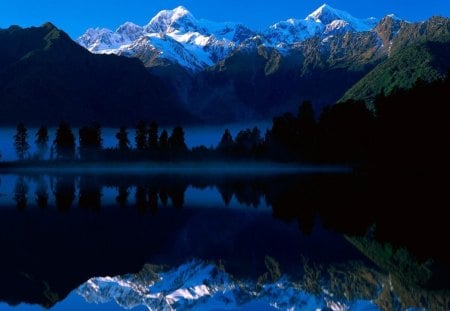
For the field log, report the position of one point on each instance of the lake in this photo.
(260, 240)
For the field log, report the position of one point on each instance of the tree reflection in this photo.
(163, 196)
(176, 195)
(41, 193)
(64, 192)
(90, 195)
(153, 199)
(123, 193)
(21, 193)
(141, 199)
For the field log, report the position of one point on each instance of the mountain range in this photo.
(225, 72)
(176, 36)
(180, 69)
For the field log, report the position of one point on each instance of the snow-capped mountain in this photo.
(178, 37)
(324, 21)
(175, 35)
(200, 286)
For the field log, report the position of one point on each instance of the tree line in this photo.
(405, 126)
(148, 142)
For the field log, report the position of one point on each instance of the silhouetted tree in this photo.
(247, 142)
(226, 143)
(64, 142)
(307, 131)
(123, 141)
(176, 140)
(90, 141)
(164, 141)
(141, 136)
(346, 132)
(42, 142)
(153, 136)
(20, 141)
(282, 143)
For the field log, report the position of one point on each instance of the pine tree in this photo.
(153, 136)
(42, 142)
(306, 131)
(141, 136)
(123, 141)
(176, 140)
(226, 143)
(164, 140)
(20, 141)
(64, 142)
(90, 138)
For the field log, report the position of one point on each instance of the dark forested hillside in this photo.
(45, 77)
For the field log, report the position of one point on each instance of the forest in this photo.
(403, 128)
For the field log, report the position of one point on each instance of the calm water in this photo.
(212, 241)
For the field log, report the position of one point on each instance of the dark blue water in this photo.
(63, 233)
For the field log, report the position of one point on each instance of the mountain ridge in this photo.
(45, 78)
(209, 42)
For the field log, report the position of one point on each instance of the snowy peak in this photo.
(130, 31)
(323, 22)
(327, 15)
(129, 28)
(178, 37)
(171, 20)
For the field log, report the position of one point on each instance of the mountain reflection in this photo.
(59, 231)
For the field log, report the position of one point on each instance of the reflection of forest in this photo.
(349, 204)
(110, 241)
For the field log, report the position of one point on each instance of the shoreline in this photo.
(217, 167)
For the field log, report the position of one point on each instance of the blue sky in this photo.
(75, 16)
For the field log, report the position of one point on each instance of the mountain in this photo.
(325, 21)
(172, 35)
(178, 37)
(45, 78)
(419, 52)
(225, 72)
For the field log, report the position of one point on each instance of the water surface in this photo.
(293, 239)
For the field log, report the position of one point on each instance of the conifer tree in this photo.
(141, 136)
(64, 142)
(42, 142)
(20, 141)
(176, 140)
(122, 138)
(164, 140)
(153, 136)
